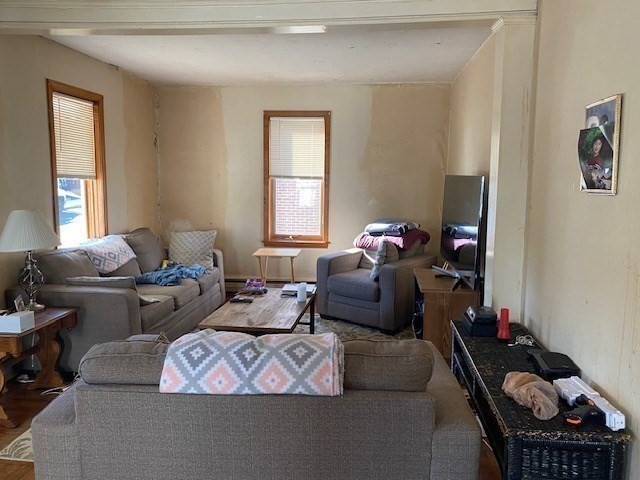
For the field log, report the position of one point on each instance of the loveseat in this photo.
(389, 423)
(107, 313)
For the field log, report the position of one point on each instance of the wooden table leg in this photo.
(260, 266)
(5, 421)
(266, 267)
(293, 278)
(48, 355)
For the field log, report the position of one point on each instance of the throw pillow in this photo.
(58, 265)
(129, 269)
(368, 258)
(147, 247)
(404, 365)
(416, 249)
(387, 253)
(192, 248)
(135, 361)
(108, 253)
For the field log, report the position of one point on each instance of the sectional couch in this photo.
(402, 415)
(116, 313)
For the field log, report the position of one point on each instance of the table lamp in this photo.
(27, 230)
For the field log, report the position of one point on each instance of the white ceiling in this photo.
(376, 54)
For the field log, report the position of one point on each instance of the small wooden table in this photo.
(265, 253)
(269, 313)
(48, 323)
(437, 304)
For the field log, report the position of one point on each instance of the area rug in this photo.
(20, 449)
(350, 331)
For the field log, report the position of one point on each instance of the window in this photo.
(296, 178)
(76, 130)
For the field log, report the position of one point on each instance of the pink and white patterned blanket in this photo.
(232, 363)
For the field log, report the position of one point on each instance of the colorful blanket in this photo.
(403, 242)
(172, 275)
(232, 363)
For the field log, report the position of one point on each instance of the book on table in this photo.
(291, 289)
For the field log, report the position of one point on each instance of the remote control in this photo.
(241, 300)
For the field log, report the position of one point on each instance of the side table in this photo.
(525, 447)
(437, 304)
(266, 252)
(48, 323)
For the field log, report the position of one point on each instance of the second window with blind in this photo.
(76, 128)
(296, 178)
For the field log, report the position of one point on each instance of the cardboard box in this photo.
(17, 322)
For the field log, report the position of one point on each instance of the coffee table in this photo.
(269, 313)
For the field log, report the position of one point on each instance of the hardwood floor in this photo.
(489, 469)
(22, 405)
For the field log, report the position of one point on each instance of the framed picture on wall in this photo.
(598, 145)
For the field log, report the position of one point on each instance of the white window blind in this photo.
(74, 137)
(296, 147)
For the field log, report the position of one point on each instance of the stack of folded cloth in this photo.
(403, 235)
(391, 228)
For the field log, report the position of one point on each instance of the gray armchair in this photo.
(346, 291)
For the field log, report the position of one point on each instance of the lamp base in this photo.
(31, 280)
(34, 306)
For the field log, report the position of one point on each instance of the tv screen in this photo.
(461, 242)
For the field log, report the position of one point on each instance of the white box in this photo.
(17, 322)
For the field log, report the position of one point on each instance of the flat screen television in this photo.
(463, 234)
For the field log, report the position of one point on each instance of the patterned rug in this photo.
(20, 449)
(350, 331)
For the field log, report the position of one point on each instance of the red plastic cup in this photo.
(503, 326)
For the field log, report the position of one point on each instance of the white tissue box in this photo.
(17, 322)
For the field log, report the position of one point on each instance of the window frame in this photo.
(96, 189)
(301, 241)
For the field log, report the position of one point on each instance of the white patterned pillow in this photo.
(192, 248)
(108, 253)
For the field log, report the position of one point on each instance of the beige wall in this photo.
(388, 157)
(140, 155)
(25, 169)
(193, 160)
(471, 109)
(583, 255)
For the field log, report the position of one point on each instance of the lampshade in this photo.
(27, 230)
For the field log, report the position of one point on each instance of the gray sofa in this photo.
(116, 313)
(390, 423)
(346, 291)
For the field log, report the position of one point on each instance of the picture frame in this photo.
(19, 304)
(598, 146)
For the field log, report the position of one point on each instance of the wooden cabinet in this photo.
(526, 447)
(437, 304)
